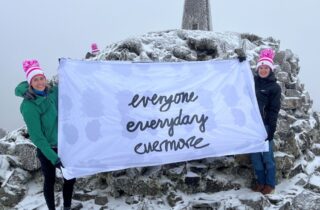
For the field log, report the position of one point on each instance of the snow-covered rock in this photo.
(2, 133)
(212, 183)
(306, 201)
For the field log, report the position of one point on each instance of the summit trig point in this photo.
(197, 15)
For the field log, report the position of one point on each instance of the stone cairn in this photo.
(297, 141)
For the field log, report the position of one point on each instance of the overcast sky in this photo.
(47, 30)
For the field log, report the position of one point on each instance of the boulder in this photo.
(219, 184)
(280, 57)
(283, 76)
(306, 200)
(135, 186)
(101, 200)
(10, 195)
(27, 154)
(3, 133)
(173, 199)
(291, 103)
(284, 164)
(314, 182)
(4, 148)
(292, 93)
(286, 67)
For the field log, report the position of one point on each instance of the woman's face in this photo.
(264, 71)
(39, 82)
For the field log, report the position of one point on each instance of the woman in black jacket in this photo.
(268, 94)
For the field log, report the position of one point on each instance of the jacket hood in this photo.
(21, 88)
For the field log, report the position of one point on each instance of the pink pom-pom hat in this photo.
(266, 58)
(31, 69)
(94, 49)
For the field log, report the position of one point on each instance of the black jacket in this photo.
(268, 93)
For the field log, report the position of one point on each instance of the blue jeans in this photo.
(264, 166)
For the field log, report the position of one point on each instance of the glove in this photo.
(241, 54)
(269, 137)
(59, 164)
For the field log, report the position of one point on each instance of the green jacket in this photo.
(41, 117)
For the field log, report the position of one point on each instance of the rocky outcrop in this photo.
(212, 183)
(306, 201)
(297, 128)
(2, 133)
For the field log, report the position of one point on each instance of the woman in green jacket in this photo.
(39, 109)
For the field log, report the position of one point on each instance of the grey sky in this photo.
(47, 30)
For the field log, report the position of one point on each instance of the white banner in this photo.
(117, 115)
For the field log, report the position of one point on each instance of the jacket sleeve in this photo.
(272, 111)
(32, 119)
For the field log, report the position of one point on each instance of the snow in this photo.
(282, 154)
(312, 121)
(231, 198)
(306, 125)
(301, 161)
(35, 199)
(285, 190)
(313, 165)
(315, 180)
(293, 98)
(316, 146)
(191, 174)
(4, 166)
(298, 123)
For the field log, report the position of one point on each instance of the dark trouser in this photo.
(264, 166)
(49, 173)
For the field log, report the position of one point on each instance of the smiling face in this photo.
(39, 82)
(264, 71)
